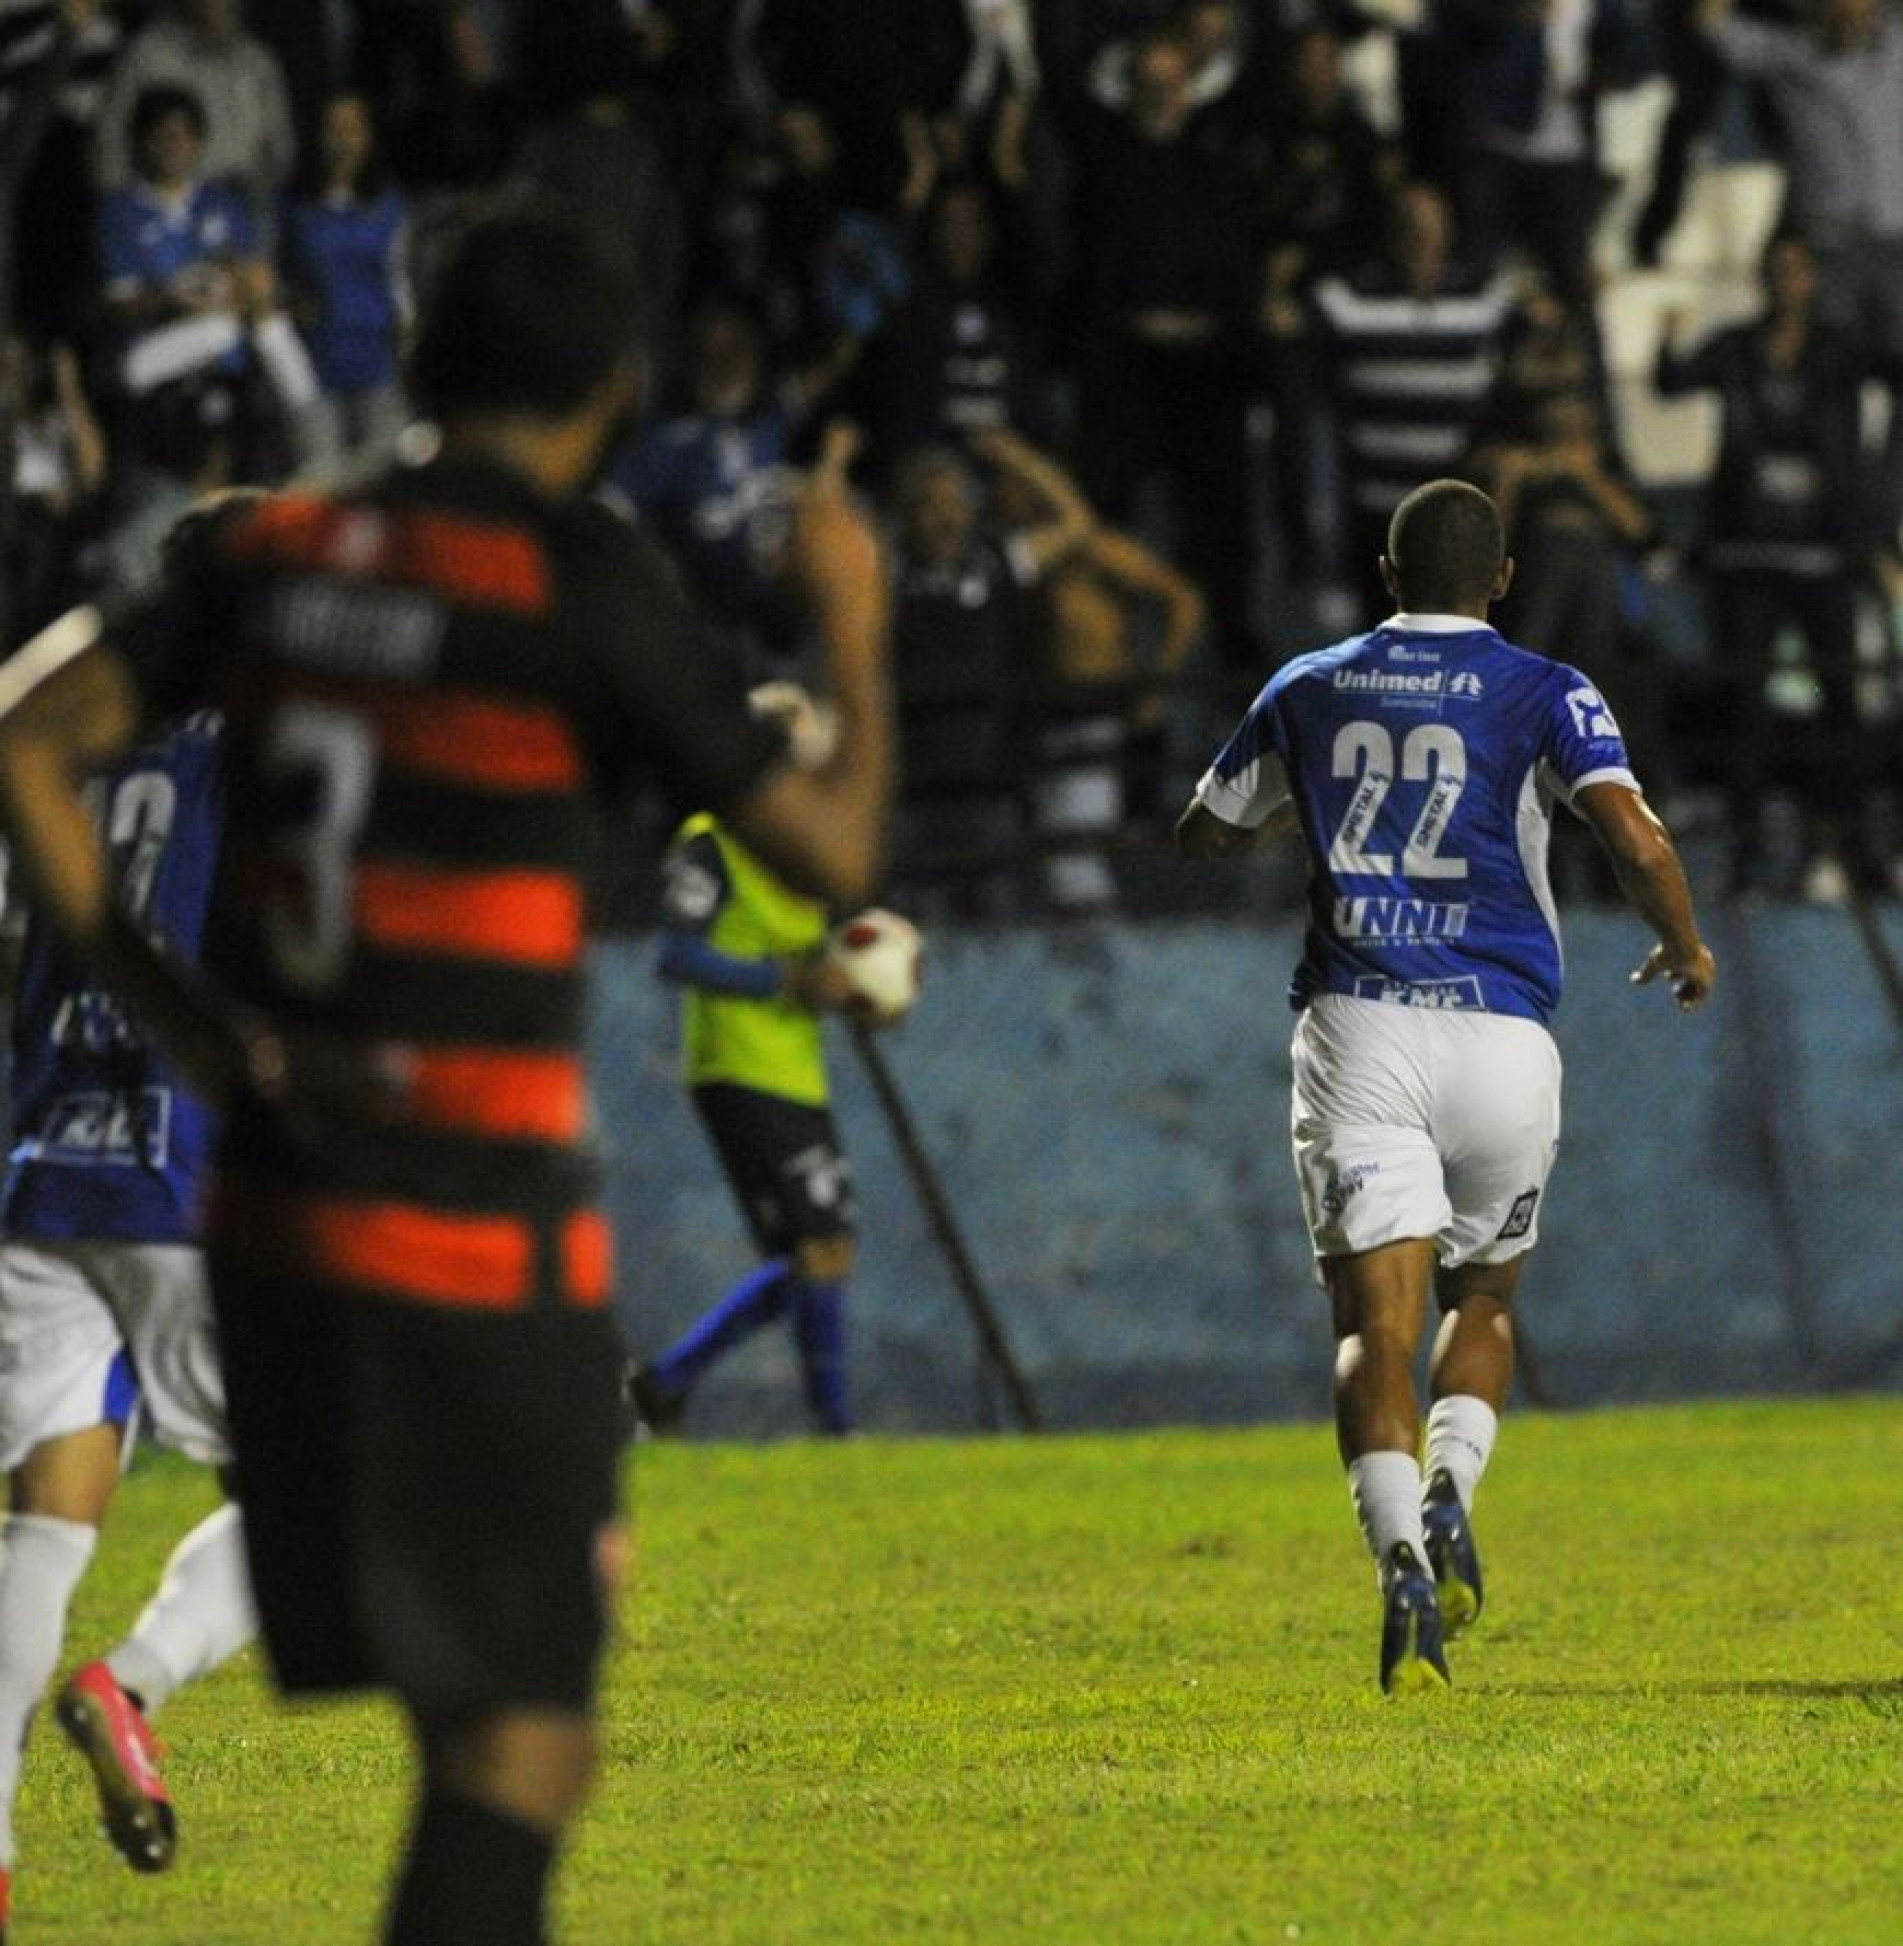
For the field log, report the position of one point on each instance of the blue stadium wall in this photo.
(1107, 1111)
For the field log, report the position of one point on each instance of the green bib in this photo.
(771, 1045)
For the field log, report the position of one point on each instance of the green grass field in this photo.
(1122, 1689)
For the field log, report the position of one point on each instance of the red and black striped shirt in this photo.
(435, 690)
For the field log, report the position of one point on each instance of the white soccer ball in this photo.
(881, 954)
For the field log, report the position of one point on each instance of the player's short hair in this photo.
(528, 311)
(1446, 545)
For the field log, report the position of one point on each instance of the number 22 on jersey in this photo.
(1433, 754)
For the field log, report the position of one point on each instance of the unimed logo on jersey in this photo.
(1466, 684)
(1391, 682)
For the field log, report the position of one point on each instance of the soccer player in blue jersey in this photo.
(1421, 763)
(105, 1311)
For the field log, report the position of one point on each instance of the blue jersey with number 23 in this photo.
(1424, 759)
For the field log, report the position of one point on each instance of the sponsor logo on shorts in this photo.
(1419, 993)
(1344, 1184)
(1520, 1216)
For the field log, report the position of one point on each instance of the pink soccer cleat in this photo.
(106, 1727)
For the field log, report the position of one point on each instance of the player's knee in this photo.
(534, 1766)
(825, 1260)
(1480, 1292)
(71, 1477)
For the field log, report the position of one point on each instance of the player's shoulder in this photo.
(1556, 678)
(1528, 669)
(1317, 666)
(701, 829)
(602, 543)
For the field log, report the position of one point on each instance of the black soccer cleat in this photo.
(1413, 1662)
(1453, 1556)
(652, 1409)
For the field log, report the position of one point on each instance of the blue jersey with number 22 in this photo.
(1424, 759)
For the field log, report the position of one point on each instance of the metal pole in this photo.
(931, 1194)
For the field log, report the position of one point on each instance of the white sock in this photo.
(201, 1614)
(1461, 1430)
(41, 1560)
(1387, 1496)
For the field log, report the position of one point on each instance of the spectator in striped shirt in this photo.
(1411, 347)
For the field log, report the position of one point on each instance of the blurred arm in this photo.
(67, 706)
(1647, 866)
(1201, 834)
(823, 830)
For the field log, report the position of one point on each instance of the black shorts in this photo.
(424, 1493)
(785, 1164)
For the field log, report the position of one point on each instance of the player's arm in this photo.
(68, 705)
(1244, 800)
(1200, 833)
(1649, 872)
(809, 980)
(696, 890)
(823, 829)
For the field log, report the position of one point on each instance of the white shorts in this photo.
(67, 1312)
(1418, 1122)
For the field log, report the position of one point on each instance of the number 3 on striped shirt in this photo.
(307, 920)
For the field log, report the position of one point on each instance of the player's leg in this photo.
(1370, 1173)
(1379, 1300)
(60, 1492)
(200, 1616)
(741, 1126)
(1501, 1116)
(497, 1795)
(660, 1385)
(811, 1217)
(821, 1266)
(1468, 1379)
(1471, 1369)
(202, 1611)
(485, 1542)
(66, 1395)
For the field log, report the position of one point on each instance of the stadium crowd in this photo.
(1143, 314)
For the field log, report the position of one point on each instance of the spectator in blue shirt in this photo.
(345, 232)
(717, 478)
(188, 286)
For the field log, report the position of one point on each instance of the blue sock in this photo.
(757, 1299)
(819, 1328)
